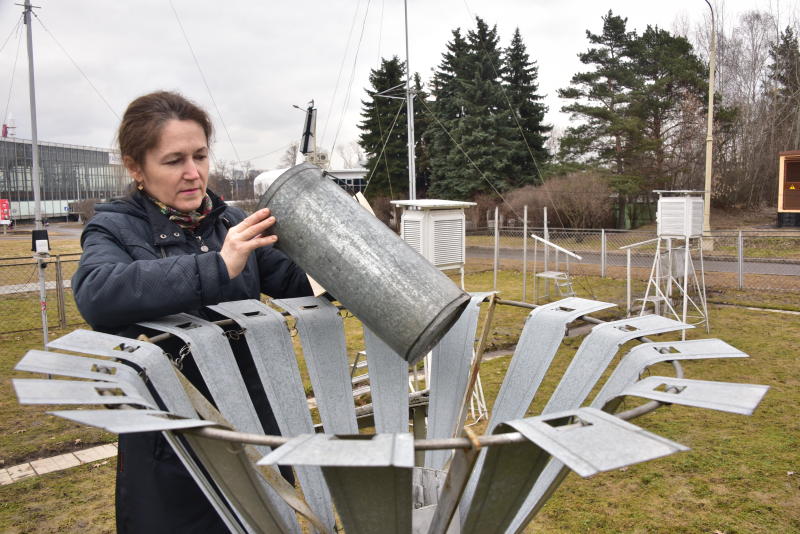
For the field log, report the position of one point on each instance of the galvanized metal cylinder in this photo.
(392, 289)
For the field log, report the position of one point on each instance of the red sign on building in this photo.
(5, 211)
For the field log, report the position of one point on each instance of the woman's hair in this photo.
(141, 125)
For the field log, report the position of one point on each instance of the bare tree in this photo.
(219, 179)
(755, 125)
(289, 157)
(352, 155)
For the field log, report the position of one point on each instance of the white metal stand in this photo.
(673, 276)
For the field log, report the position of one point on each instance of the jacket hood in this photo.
(131, 205)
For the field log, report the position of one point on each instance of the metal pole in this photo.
(37, 197)
(535, 259)
(412, 178)
(62, 309)
(496, 246)
(740, 258)
(709, 128)
(686, 253)
(628, 284)
(603, 253)
(524, 251)
(546, 250)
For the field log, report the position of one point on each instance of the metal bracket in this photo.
(325, 353)
(450, 365)
(723, 396)
(598, 442)
(643, 356)
(273, 354)
(369, 476)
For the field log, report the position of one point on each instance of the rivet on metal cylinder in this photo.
(393, 290)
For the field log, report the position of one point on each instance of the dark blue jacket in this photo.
(137, 265)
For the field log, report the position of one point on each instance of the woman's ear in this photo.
(134, 169)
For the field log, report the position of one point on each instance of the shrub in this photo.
(577, 200)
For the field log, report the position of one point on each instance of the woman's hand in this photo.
(244, 238)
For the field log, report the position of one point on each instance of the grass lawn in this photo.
(742, 474)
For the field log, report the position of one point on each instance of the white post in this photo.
(740, 257)
(546, 253)
(535, 259)
(603, 253)
(628, 284)
(496, 246)
(524, 251)
(685, 282)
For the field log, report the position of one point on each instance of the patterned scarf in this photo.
(187, 221)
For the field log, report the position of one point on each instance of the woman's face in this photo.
(175, 171)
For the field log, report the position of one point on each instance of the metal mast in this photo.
(412, 178)
(40, 249)
(710, 125)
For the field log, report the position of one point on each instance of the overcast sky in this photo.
(261, 58)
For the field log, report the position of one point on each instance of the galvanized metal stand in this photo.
(374, 483)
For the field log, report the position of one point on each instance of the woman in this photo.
(173, 246)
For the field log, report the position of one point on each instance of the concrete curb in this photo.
(56, 463)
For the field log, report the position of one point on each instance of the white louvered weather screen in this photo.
(448, 244)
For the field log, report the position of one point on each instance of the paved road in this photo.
(751, 266)
(29, 288)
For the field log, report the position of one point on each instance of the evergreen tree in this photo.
(446, 87)
(520, 76)
(384, 132)
(667, 72)
(601, 99)
(470, 105)
(422, 123)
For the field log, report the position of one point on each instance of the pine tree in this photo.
(384, 132)
(601, 99)
(609, 134)
(520, 76)
(667, 72)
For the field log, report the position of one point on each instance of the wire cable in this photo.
(352, 78)
(13, 72)
(386, 140)
(205, 82)
(13, 31)
(283, 147)
(380, 131)
(469, 159)
(341, 70)
(519, 126)
(75, 64)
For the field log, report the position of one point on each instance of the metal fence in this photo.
(761, 260)
(768, 260)
(19, 293)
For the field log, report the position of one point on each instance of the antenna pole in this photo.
(34, 134)
(40, 241)
(412, 178)
(710, 128)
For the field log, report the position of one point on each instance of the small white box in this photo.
(680, 217)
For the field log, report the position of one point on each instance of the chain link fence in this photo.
(759, 260)
(20, 306)
(763, 260)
